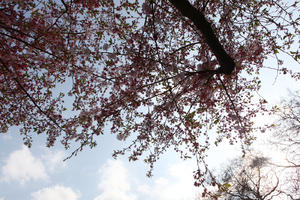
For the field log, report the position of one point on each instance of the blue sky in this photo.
(39, 173)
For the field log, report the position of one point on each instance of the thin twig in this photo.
(183, 47)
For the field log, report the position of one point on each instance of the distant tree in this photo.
(287, 129)
(286, 137)
(163, 72)
(251, 178)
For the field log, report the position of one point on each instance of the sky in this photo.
(39, 173)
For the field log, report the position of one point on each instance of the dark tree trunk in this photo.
(226, 61)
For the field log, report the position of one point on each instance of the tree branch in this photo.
(30, 97)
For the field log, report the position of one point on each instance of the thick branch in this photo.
(226, 61)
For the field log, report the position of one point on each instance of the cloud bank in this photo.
(117, 184)
(56, 192)
(22, 166)
(114, 182)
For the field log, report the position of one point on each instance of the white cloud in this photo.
(114, 182)
(22, 166)
(54, 160)
(178, 185)
(56, 192)
(1, 198)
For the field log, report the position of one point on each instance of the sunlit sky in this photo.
(39, 173)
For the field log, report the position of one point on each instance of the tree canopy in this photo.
(162, 72)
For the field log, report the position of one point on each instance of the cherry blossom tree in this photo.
(162, 73)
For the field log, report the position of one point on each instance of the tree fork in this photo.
(226, 61)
